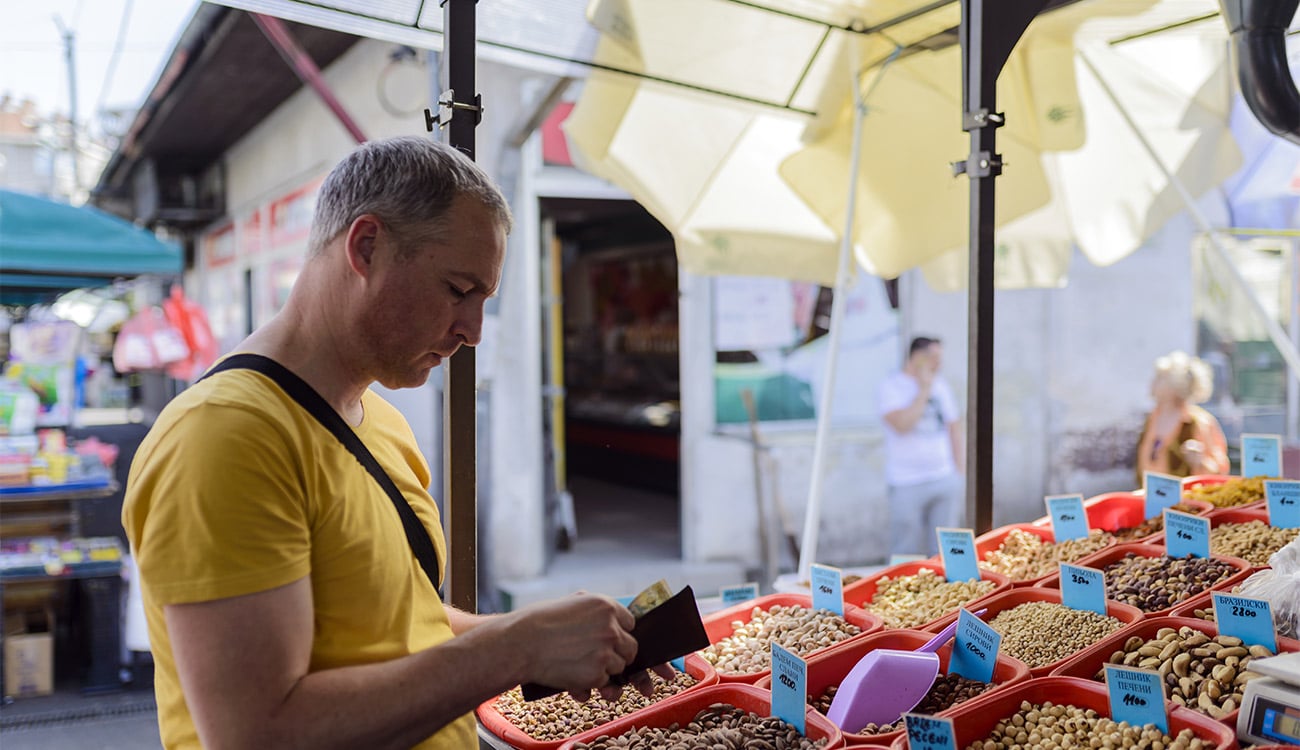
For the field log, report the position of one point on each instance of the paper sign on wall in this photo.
(1083, 588)
(1283, 503)
(1137, 696)
(957, 548)
(1069, 521)
(1162, 491)
(975, 649)
(827, 588)
(1246, 618)
(789, 688)
(1261, 455)
(737, 594)
(1186, 534)
(930, 732)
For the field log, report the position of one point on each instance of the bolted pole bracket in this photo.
(447, 106)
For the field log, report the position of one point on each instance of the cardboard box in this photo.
(29, 657)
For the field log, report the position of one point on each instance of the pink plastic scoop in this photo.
(886, 683)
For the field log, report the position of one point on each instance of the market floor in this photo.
(68, 719)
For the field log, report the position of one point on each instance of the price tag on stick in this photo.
(1069, 521)
(1246, 618)
(1186, 534)
(789, 688)
(957, 548)
(1261, 455)
(827, 589)
(736, 594)
(1137, 696)
(1283, 503)
(930, 732)
(975, 649)
(1083, 588)
(1161, 491)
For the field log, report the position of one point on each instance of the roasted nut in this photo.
(1252, 541)
(908, 601)
(1230, 494)
(946, 692)
(560, 716)
(801, 630)
(1055, 726)
(1151, 525)
(1157, 583)
(1023, 555)
(718, 727)
(1040, 633)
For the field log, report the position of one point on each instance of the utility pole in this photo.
(70, 59)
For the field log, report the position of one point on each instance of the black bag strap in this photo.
(298, 389)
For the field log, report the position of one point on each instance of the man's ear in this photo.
(360, 242)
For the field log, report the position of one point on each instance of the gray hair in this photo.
(1190, 376)
(409, 182)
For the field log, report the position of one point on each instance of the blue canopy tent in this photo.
(47, 247)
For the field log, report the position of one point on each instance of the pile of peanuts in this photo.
(1024, 555)
(800, 630)
(718, 727)
(1051, 725)
(947, 691)
(560, 716)
(908, 601)
(1155, 583)
(1040, 633)
(1203, 673)
(1230, 494)
(1152, 525)
(1252, 541)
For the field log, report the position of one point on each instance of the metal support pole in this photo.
(298, 59)
(460, 393)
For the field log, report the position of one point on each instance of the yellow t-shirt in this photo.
(237, 490)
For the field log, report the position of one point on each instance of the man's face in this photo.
(423, 305)
(929, 358)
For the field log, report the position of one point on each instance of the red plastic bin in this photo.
(1221, 516)
(1212, 480)
(683, 708)
(718, 626)
(975, 723)
(1203, 600)
(1112, 511)
(1086, 663)
(1015, 597)
(1101, 559)
(501, 727)
(831, 666)
(860, 593)
(993, 540)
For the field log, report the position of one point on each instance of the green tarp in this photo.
(47, 247)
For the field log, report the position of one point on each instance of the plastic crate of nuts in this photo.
(1244, 533)
(915, 594)
(1027, 554)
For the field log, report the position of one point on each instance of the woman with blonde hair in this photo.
(1179, 437)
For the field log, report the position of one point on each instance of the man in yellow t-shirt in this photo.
(285, 605)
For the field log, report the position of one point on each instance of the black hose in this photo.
(1258, 29)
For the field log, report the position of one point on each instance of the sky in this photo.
(32, 61)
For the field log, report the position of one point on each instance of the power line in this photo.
(114, 57)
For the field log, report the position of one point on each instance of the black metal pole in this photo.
(460, 433)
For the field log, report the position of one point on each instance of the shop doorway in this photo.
(611, 368)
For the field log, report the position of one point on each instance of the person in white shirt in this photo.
(924, 459)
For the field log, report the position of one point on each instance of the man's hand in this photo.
(577, 643)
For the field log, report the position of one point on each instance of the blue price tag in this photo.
(1249, 619)
(975, 650)
(1261, 455)
(1083, 588)
(957, 548)
(1283, 503)
(930, 733)
(737, 594)
(1137, 696)
(1162, 491)
(827, 589)
(1186, 534)
(1069, 521)
(789, 688)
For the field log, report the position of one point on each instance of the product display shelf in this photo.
(862, 592)
(1086, 663)
(1213, 480)
(999, 603)
(491, 720)
(1112, 511)
(993, 540)
(718, 626)
(1100, 560)
(972, 724)
(831, 666)
(682, 709)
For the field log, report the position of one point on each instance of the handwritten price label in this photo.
(1261, 455)
(1283, 503)
(1083, 588)
(1137, 696)
(1069, 521)
(975, 650)
(1162, 491)
(789, 688)
(1246, 618)
(737, 594)
(929, 733)
(957, 548)
(1186, 534)
(827, 588)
